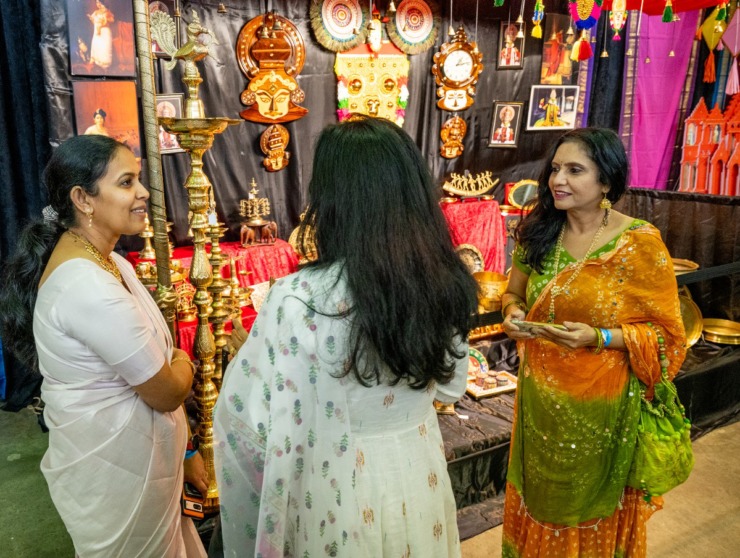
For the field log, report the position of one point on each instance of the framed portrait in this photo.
(558, 38)
(552, 107)
(168, 7)
(510, 47)
(108, 108)
(169, 106)
(101, 38)
(505, 124)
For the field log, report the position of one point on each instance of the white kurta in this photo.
(309, 465)
(114, 464)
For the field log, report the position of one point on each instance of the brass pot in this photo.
(492, 286)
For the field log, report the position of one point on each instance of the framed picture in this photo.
(557, 67)
(552, 107)
(169, 106)
(510, 47)
(101, 38)
(168, 7)
(505, 124)
(108, 108)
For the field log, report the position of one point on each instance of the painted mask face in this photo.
(454, 100)
(272, 93)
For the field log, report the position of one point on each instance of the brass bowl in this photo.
(721, 331)
(492, 286)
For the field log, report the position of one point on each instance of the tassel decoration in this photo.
(581, 49)
(722, 13)
(498, 3)
(710, 75)
(537, 15)
(668, 12)
(585, 13)
(733, 81)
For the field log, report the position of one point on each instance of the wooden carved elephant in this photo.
(258, 234)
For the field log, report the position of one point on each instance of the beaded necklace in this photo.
(555, 290)
(106, 263)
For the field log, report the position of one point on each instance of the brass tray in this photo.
(471, 257)
(692, 321)
(477, 392)
(722, 331)
(683, 266)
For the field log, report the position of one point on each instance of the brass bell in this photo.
(519, 20)
(604, 54)
(671, 54)
(391, 8)
(647, 60)
(221, 8)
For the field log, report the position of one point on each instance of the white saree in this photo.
(114, 464)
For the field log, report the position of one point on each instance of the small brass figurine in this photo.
(256, 230)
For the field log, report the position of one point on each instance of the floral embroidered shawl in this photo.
(575, 423)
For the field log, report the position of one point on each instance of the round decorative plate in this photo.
(721, 331)
(338, 25)
(415, 25)
(691, 317)
(476, 364)
(471, 257)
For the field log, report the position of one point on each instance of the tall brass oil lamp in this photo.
(220, 314)
(195, 134)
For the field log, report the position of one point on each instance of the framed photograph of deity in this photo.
(101, 38)
(169, 106)
(108, 108)
(552, 107)
(510, 46)
(558, 39)
(505, 124)
(168, 7)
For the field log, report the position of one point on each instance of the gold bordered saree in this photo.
(576, 411)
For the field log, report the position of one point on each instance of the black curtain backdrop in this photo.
(236, 158)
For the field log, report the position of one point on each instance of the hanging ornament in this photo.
(581, 48)
(498, 3)
(585, 12)
(618, 17)
(537, 15)
(722, 13)
(712, 30)
(731, 40)
(338, 25)
(668, 12)
(414, 25)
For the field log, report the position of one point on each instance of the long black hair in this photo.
(538, 231)
(80, 161)
(373, 209)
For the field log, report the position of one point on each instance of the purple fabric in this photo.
(657, 94)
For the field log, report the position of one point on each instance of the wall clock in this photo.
(456, 68)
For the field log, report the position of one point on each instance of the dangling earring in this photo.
(603, 204)
(89, 216)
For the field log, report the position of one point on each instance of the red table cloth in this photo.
(479, 222)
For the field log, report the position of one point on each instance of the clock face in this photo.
(458, 66)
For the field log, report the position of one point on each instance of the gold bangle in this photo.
(519, 303)
(599, 341)
(184, 359)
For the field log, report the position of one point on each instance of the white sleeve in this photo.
(451, 392)
(104, 316)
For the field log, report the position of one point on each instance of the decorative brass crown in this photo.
(254, 208)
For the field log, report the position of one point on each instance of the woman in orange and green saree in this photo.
(608, 279)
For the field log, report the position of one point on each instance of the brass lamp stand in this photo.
(195, 135)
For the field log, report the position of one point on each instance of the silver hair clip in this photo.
(50, 214)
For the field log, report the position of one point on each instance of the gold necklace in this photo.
(106, 263)
(555, 290)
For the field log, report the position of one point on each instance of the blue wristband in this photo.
(190, 453)
(607, 334)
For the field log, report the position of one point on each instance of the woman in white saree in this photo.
(113, 384)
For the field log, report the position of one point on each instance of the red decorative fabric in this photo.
(260, 261)
(480, 223)
(186, 330)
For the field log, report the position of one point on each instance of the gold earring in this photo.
(603, 204)
(89, 216)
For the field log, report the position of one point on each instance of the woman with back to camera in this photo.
(327, 440)
(113, 384)
(608, 279)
